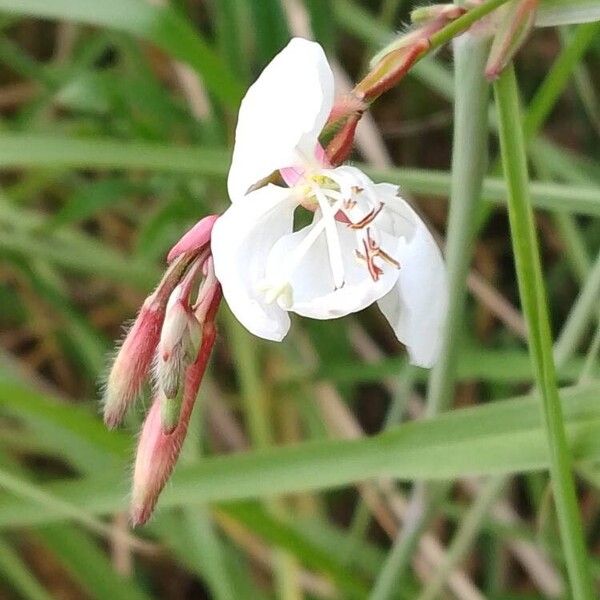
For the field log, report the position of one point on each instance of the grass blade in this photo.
(502, 437)
(533, 299)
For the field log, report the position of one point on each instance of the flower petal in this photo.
(281, 115)
(241, 241)
(416, 306)
(314, 293)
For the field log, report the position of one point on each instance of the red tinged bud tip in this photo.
(195, 239)
(158, 451)
(340, 146)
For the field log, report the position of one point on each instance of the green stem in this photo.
(533, 300)
(463, 23)
(447, 33)
(469, 161)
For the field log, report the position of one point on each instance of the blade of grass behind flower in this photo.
(533, 297)
(501, 437)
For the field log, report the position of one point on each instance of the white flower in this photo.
(364, 243)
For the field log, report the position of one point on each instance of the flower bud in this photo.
(516, 24)
(181, 333)
(134, 358)
(449, 12)
(394, 64)
(158, 451)
(340, 146)
(133, 361)
(195, 239)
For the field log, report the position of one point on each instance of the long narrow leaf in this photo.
(502, 437)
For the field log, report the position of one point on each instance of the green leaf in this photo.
(535, 307)
(19, 150)
(75, 432)
(270, 28)
(564, 12)
(501, 437)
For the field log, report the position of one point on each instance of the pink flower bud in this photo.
(516, 24)
(180, 335)
(158, 451)
(134, 358)
(133, 361)
(195, 239)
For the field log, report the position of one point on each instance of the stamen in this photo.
(333, 242)
(368, 218)
(372, 251)
(281, 289)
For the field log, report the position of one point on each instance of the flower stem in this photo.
(533, 300)
(463, 23)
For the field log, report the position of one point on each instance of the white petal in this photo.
(281, 115)
(416, 306)
(241, 241)
(314, 293)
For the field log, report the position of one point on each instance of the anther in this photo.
(368, 218)
(372, 251)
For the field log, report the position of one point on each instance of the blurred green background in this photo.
(116, 131)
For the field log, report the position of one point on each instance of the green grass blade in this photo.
(469, 162)
(557, 78)
(533, 299)
(19, 150)
(564, 12)
(502, 437)
(88, 564)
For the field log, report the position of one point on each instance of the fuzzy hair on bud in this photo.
(133, 362)
(134, 358)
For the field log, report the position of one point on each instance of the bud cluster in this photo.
(510, 25)
(170, 343)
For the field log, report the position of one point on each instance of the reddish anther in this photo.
(368, 218)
